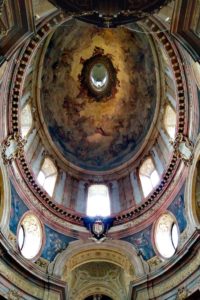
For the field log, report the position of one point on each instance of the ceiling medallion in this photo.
(98, 76)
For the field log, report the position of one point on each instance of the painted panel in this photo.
(177, 207)
(18, 208)
(55, 243)
(142, 242)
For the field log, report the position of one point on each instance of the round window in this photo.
(30, 236)
(166, 235)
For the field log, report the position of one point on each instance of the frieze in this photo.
(173, 281)
(21, 282)
(13, 295)
(178, 278)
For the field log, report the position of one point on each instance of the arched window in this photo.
(26, 120)
(170, 121)
(166, 235)
(47, 176)
(148, 176)
(98, 201)
(30, 236)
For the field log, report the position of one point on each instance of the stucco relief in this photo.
(97, 274)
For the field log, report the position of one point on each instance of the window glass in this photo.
(166, 235)
(148, 176)
(98, 202)
(30, 236)
(26, 120)
(170, 121)
(47, 176)
(175, 235)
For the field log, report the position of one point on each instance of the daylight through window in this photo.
(30, 236)
(166, 235)
(170, 121)
(148, 176)
(26, 120)
(47, 176)
(98, 202)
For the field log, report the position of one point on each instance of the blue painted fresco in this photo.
(55, 243)
(177, 207)
(142, 242)
(18, 208)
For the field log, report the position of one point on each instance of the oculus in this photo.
(30, 236)
(166, 235)
(99, 77)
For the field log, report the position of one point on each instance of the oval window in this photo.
(30, 236)
(166, 235)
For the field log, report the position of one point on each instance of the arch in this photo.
(47, 175)
(97, 289)
(117, 252)
(116, 258)
(149, 177)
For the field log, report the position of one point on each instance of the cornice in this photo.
(44, 203)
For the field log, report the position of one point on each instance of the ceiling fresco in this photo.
(98, 135)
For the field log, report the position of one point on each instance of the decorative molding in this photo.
(176, 280)
(183, 149)
(182, 294)
(13, 295)
(154, 262)
(12, 148)
(111, 13)
(42, 263)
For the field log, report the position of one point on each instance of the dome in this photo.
(102, 129)
(99, 166)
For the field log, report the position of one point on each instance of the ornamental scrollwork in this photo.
(13, 295)
(182, 294)
(183, 148)
(42, 263)
(12, 148)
